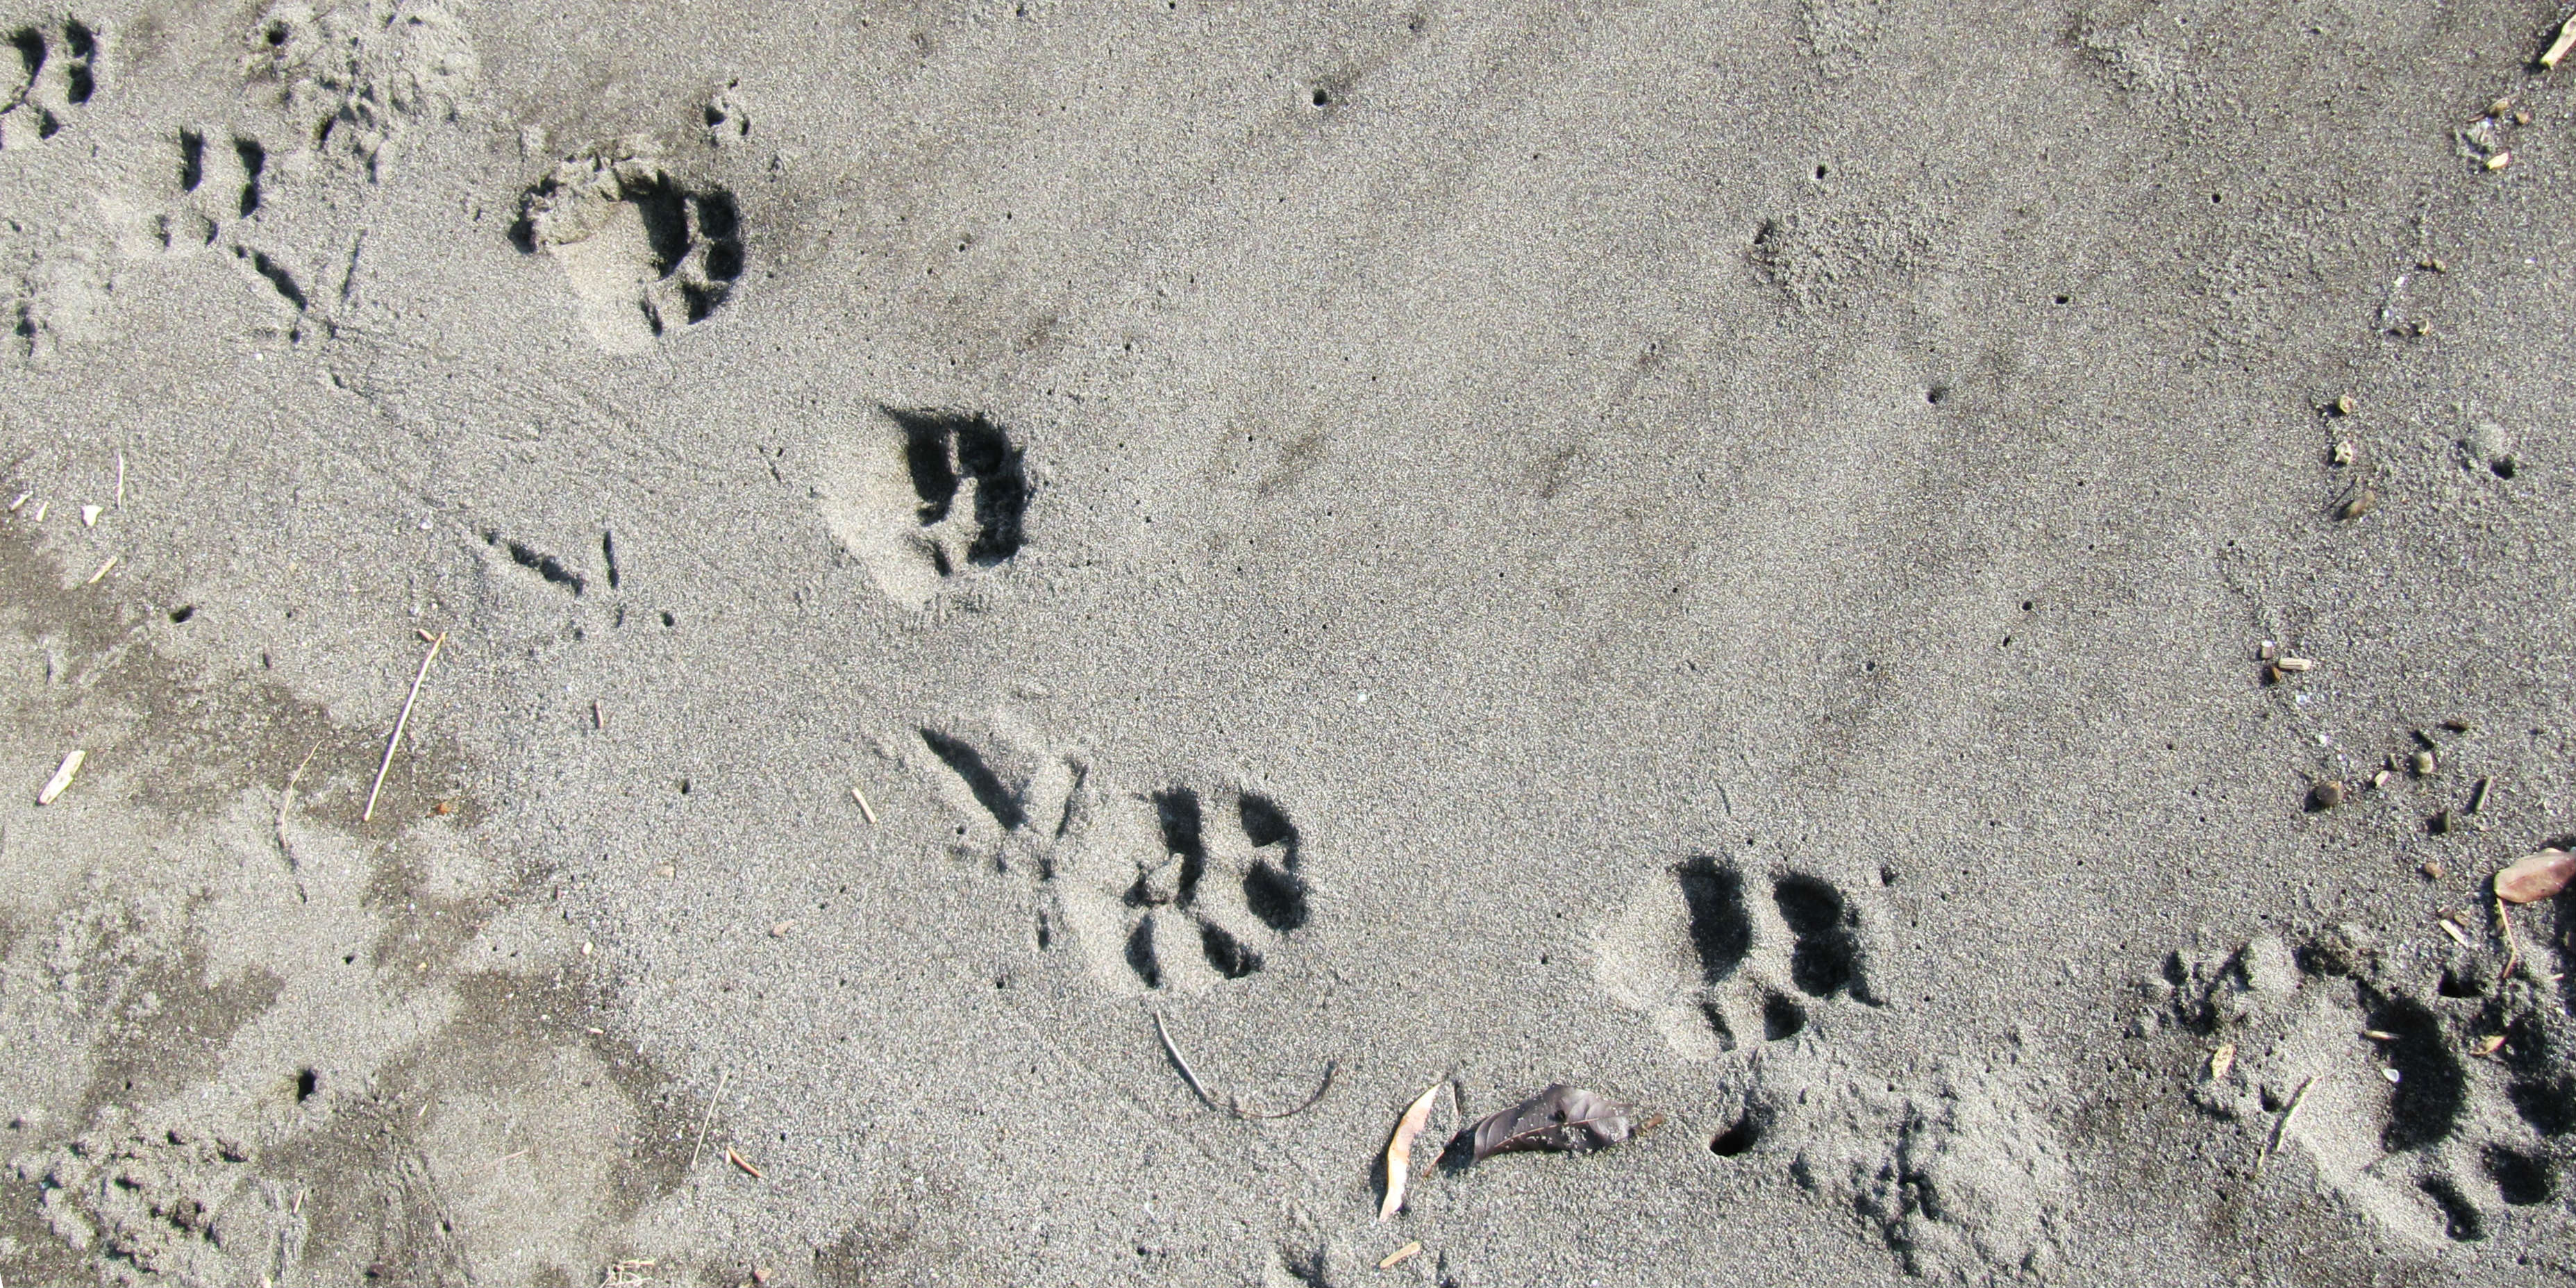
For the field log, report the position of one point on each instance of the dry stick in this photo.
(703, 1123)
(1330, 1068)
(1234, 1104)
(2512, 946)
(2282, 1128)
(399, 722)
(870, 811)
(1182, 1063)
(286, 801)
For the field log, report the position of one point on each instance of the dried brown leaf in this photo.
(1559, 1118)
(1399, 1149)
(2534, 877)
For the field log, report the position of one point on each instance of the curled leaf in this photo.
(2534, 877)
(1560, 1118)
(1399, 1149)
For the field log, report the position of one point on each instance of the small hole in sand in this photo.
(1738, 1139)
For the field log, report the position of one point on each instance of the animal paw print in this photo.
(1719, 965)
(1212, 902)
(60, 63)
(645, 253)
(930, 498)
(1174, 890)
(218, 182)
(2449, 1119)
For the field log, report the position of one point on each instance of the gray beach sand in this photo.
(1725, 555)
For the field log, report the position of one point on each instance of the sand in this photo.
(1720, 555)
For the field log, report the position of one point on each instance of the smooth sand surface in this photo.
(1721, 554)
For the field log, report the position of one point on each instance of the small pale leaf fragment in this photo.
(62, 777)
(2534, 877)
(2487, 1046)
(89, 515)
(1399, 1149)
(2222, 1060)
(1401, 1255)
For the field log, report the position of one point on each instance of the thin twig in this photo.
(704, 1122)
(286, 801)
(1182, 1063)
(866, 810)
(2512, 945)
(1330, 1067)
(1233, 1104)
(399, 721)
(2282, 1127)
(120, 479)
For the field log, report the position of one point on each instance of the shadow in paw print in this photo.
(968, 764)
(1721, 932)
(1824, 954)
(1177, 809)
(2460, 1218)
(2523, 1179)
(2424, 1107)
(943, 449)
(1273, 891)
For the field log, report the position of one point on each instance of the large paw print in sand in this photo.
(1721, 955)
(2431, 1085)
(925, 499)
(645, 253)
(1178, 888)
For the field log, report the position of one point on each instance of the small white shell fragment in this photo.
(41, 507)
(89, 515)
(2295, 664)
(22, 500)
(2391, 1074)
(62, 777)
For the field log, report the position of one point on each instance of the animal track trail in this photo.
(926, 499)
(1176, 889)
(1721, 956)
(58, 66)
(645, 253)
